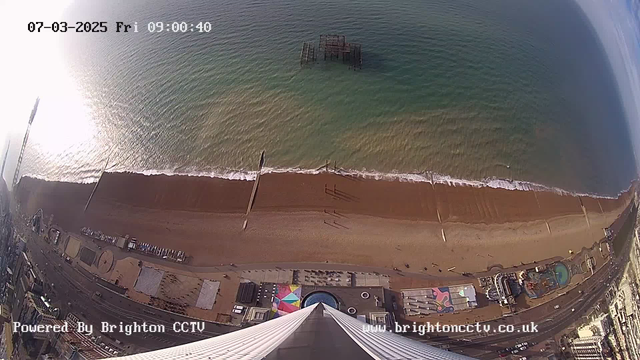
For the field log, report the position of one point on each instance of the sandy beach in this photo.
(300, 217)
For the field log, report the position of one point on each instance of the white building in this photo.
(6, 346)
(589, 348)
(599, 326)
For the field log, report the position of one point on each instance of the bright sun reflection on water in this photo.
(69, 131)
(64, 123)
(34, 67)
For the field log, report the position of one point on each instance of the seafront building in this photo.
(614, 330)
(6, 345)
(502, 288)
(624, 306)
(599, 326)
(445, 299)
(27, 303)
(590, 348)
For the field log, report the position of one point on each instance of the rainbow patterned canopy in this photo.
(286, 299)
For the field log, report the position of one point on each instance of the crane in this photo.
(16, 175)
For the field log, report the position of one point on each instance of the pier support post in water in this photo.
(308, 54)
(325, 166)
(255, 190)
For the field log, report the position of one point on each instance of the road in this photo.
(75, 287)
(574, 304)
(549, 321)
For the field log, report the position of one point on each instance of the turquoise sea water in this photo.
(465, 88)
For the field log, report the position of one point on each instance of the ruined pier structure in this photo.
(333, 46)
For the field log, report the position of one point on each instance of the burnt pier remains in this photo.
(333, 47)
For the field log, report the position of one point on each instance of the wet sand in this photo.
(375, 223)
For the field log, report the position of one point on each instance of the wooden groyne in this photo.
(255, 188)
(97, 183)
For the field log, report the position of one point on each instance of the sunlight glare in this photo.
(33, 67)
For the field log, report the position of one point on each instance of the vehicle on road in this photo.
(557, 307)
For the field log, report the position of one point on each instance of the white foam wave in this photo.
(427, 177)
(225, 174)
(435, 178)
(67, 179)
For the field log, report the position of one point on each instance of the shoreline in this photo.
(363, 222)
(430, 177)
(290, 192)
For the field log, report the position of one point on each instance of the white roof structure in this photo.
(208, 293)
(317, 330)
(148, 280)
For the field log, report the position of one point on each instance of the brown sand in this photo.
(378, 223)
(302, 192)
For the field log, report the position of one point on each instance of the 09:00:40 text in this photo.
(175, 26)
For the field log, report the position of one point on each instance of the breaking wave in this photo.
(427, 177)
